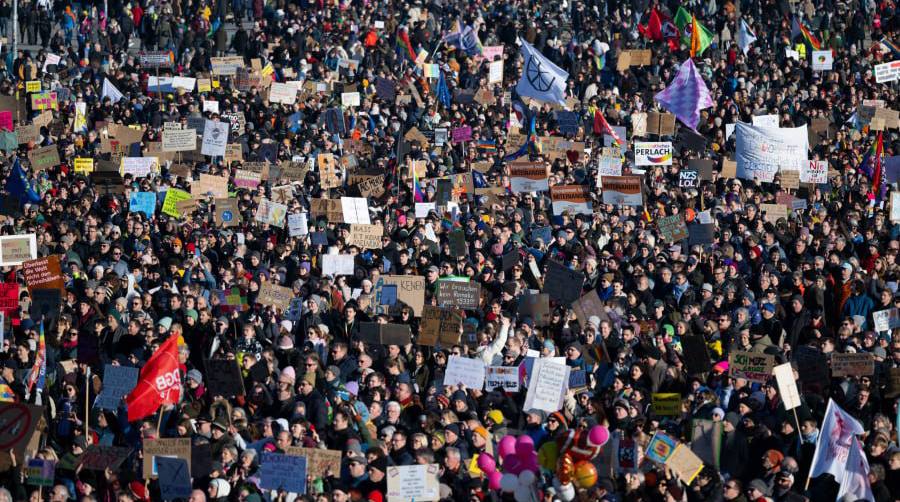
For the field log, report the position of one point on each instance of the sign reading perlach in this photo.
(653, 154)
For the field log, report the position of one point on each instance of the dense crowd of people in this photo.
(381, 90)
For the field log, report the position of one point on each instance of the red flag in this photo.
(159, 383)
(653, 30)
(601, 126)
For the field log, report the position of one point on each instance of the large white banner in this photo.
(761, 151)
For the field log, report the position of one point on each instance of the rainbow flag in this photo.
(403, 47)
(797, 28)
(418, 193)
(39, 368)
(872, 166)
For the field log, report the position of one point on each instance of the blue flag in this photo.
(541, 79)
(17, 185)
(745, 37)
(443, 93)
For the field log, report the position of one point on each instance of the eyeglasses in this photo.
(310, 364)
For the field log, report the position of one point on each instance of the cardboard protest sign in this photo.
(701, 233)
(282, 472)
(410, 483)
(209, 185)
(848, 364)
(118, 381)
(563, 284)
(751, 366)
(464, 295)
(44, 273)
(706, 441)
(685, 463)
(589, 305)
(812, 365)
(466, 371)
(223, 378)
(386, 333)
(502, 377)
(227, 213)
(369, 186)
(666, 404)
(164, 447)
(410, 291)
(319, 461)
(331, 209)
(43, 158)
(275, 295)
(547, 385)
(17, 249)
(100, 458)
(537, 307)
(366, 236)
(672, 228)
(439, 326)
(17, 431)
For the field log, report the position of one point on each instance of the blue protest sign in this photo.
(282, 472)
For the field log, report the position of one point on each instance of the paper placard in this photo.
(337, 264)
(464, 295)
(164, 447)
(16, 249)
(410, 483)
(547, 385)
(274, 295)
(319, 461)
(179, 140)
(282, 472)
(751, 366)
(502, 377)
(118, 381)
(666, 404)
(787, 386)
(366, 236)
(355, 210)
(847, 364)
(462, 370)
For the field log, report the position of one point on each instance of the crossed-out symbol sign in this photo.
(15, 422)
(536, 76)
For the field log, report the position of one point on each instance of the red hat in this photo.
(375, 496)
(139, 490)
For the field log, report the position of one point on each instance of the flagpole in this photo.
(87, 407)
(812, 464)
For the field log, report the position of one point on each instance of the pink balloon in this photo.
(524, 447)
(506, 446)
(487, 463)
(494, 480)
(512, 464)
(598, 435)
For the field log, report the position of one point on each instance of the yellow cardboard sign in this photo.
(84, 165)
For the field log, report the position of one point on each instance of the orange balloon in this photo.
(585, 474)
(689, 215)
(566, 469)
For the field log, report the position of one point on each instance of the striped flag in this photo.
(403, 47)
(797, 28)
(39, 368)
(601, 126)
(686, 95)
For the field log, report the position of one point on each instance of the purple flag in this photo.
(686, 95)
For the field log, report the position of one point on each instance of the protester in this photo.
(314, 251)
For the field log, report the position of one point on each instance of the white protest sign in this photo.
(503, 377)
(547, 385)
(822, 60)
(408, 483)
(139, 166)
(495, 72)
(356, 210)
(298, 224)
(337, 264)
(282, 93)
(210, 106)
(761, 151)
(349, 99)
(766, 121)
(886, 320)
(814, 171)
(15, 249)
(179, 140)
(787, 386)
(887, 72)
(462, 370)
(215, 138)
(423, 208)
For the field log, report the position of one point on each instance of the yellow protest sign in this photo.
(84, 165)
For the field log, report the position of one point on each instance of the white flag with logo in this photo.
(541, 79)
(855, 485)
(110, 91)
(835, 439)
